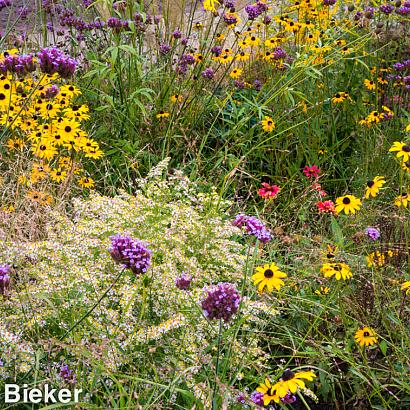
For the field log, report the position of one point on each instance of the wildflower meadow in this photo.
(205, 204)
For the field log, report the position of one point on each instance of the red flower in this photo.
(317, 187)
(311, 172)
(268, 191)
(327, 207)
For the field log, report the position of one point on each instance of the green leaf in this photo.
(337, 232)
(383, 347)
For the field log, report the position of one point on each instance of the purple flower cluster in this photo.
(164, 49)
(132, 253)
(405, 9)
(117, 24)
(386, 8)
(229, 4)
(329, 2)
(230, 19)
(20, 64)
(4, 3)
(51, 92)
(183, 282)
(402, 66)
(253, 226)
(222, 302)
(52, 61)
(67, 374)
(373, 233)
(257, 398)
(4, 278)
(255, 10)
(208, 73)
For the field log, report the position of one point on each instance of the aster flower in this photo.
(253, 226)
(131, 253)
(365, 337)
(268, 191)
(339, 270)
(311, 172)
(222, 302)
(348, 204)
(373, 186)
(373, 233)
(4, 278)
(268, 276)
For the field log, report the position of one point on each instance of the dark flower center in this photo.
(337, 268)
(366, 334)
(370, 183)
(406, 148)
(346, 200)
(268, 273)
(43, 147)
(67, 129)
(330, 256)
(2, 97)
(337, 95)
(288, 375)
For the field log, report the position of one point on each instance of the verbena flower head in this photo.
(257, 398)
(373, 233)
(4, 278)
(132, 253)
(67, 374)
(222, 302)
(253, 226)
(52, 61)
(20, 64)
(183, 282)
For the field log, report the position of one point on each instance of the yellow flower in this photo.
(209, 5)
(324, 290)
(291, 381)
(176, 98)
(406, 287)
(16, 144)
(236, 73)
(243, 56)
(58, 175)
(268, 276)
(86, 182)
(369, 84)
(220, 37)
(339, 270)
(253, 41)
(402, 200)
(269, 392)
(162, 114)
(402, 149)
(373, 186)
(267, 124)
(365, 337)
(340, 97)
(44, 149)
(348, 203)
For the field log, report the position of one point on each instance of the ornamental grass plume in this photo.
(132, 253)
(222, 302)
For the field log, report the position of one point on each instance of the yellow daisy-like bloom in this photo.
(268, 276)
(220, 37)
(370, 84)
(402, 149)
(291, 381)
(330, 253)
(253, 41)
(407, 127)
(270, 393)
(209, 5)
(16, 144)
(324, 290)
(44, 149)
(86, 182)
(406, 287)
(340, 97)
(58, 175)
(236, 73)
(176, 98)
(406, 166)
(268, 124)
(402, 200)
(365, 337)
(348, 204)
(162, 114)
(243, 56)
(373, 186)
(339, 270)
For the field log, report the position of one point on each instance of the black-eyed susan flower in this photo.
(270, 393)
(339, 270)
(348, 204)
(405, 287)
(406, 166)
(162, 114)
(369, 84)
(329, 254)
(15, 144)
(373, 186)
(253, 41)
(44, 149)
(243, 56)
(176, 98)
(86, 182)
(210, 5)
(292, 381)
(268, 124)
(365, 337)
(324, 290)
(236, 73)
(58, 175)
(268, 276)
(402, 149)
(402, 201)
(340, 97)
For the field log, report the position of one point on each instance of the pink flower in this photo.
(327, 207)
(311, 172)
(268, 191)
(317, 187)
